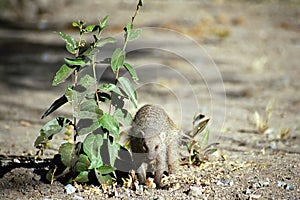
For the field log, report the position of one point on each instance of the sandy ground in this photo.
(227, 59)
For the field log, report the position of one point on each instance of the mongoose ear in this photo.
(142, 133)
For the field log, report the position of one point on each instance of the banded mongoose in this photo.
(154, 139)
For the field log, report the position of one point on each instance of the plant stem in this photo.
(75, 84)
(140, 3)
(95, 77)
(125, 44)
(132, 20)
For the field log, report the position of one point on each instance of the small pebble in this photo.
(70, 189)
(255, 196)
(159, 198)
(76, 197)
(248, 191)
(126, 192)
(289, 187)
(256, 185)
(45, 190)
(195, 192)
(285, 185)
(116, 193)
(265, 183)
(281, 183)
(224, 182)
(141, 189)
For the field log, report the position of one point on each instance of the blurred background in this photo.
(236, 61)
(253, 45)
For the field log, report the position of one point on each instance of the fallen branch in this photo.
(8, 163)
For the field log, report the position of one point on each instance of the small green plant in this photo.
(96, 108)
(197, 140)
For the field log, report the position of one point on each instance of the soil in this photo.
(235, 61)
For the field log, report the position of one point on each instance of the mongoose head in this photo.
(153, 143)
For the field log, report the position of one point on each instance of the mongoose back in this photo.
(154, 140)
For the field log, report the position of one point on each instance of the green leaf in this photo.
(105, 169)
(83, 100)
(49, 175)
(133, 34)
(108, 122)
(117, 59)
(62, 74)
(75, 24)
(89, 52)
(71, 45)
(75, 98)
(87, 81)
(51, 128)
(82, 177)
(104, 41)
(109, 87)
(67, 153)
(91, 146)
(113, 149)
(85, 114)
(210, 151)
(128, 27)
(204, 139)
(102, 24)
(88, 110)
(129, 90)
(51, 172)
(55, 105)
(132, 72)
(202, 123)
(90, 105)
(103, 179)
(85, 126)
(123, 118)
(90, 28)
(75, 62)
(71, 94)
(103, 96)
(82, 163)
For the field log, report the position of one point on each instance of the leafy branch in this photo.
(79, 161)
(196, 141)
